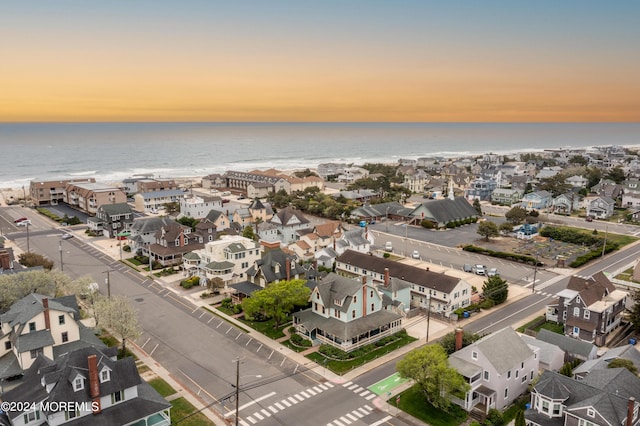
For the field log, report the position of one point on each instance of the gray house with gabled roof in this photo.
(346, 313)
(289, 221)
(442, 212)
(93, 388)
(111, 219)
(573, 348)
(275, 265)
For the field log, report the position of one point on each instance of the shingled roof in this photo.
(591, 289)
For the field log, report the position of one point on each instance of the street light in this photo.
(28, 249)
(535, 271)
(237, 361)
(386, 219)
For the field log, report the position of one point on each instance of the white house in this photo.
(198, 207)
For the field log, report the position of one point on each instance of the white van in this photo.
(225, 193)
(388, 246)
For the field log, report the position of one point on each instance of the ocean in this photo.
(110, 152)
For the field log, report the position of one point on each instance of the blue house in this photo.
(537, 200)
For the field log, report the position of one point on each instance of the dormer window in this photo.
(105, 375)
(78, 383)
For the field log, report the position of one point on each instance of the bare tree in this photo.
(118, 315)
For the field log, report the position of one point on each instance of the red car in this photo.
(22, 219)
(225, 200)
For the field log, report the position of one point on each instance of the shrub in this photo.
(386, 255)
(487, 304)
(190, 282)
(298, 340)
(127, 248)
(226, 303)
(427, 224)
(494, 418)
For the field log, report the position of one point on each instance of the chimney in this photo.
(458, 343)
(427, 269)
(47, 320)
(630, 409)
(364, 279)
(288, 268)
(94, 383)
(386, 277)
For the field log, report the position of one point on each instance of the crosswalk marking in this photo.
(266, 413)
(363, 394)
(324, 387)
(273, 409)
(303, 393)
(258, 416)
(352, 417)
(277, 404)
(329, 384)
(243, 423)
(353, 387)
(370, 397)
(363, 411)
(298, 397)
(345, 420)
(381, 421)
(338, 423)
(312, 392)
(368, 408)
(252, 420)
(287, 403)
(346, 385)
(358, 414)
(317, 389)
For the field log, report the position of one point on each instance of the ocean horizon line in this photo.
(334, 123)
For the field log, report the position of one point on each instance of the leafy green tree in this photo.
(554, 184)
(516, 215)
(616, 174)
(623, 363)
(635, 312)
(172, 207)
(429, 368)
(31, 259)
(593, 176)
(505, 227)
(448, 341)
(519, 420)
(488, 229)
(477, 206)
(495, 289)
(579, 159)
(247, 232)
(188, 221)
(277, 301)
(568, 367)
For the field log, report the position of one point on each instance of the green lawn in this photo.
(266, 328)
(413, 402)
(547, 325)
(293, 347)
(181, 408)
(341, 367)
(162, 387)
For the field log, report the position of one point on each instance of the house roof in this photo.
(116, 209)
(446, 210)
(408, 273)
(335, 287)
(345, 330)
(285, 215)
(591, 289)
(567, 344)
(245, 287)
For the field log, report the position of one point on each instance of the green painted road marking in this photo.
(388, 384)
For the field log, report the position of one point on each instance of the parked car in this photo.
(415, 254)
(467, 268)
(491, 272)
(67, 236)
(20, 220)
(225, 200)
(241, 197)
(24, 223)
(589, 219)
(388, 246)
(480, 269)
(226, 193)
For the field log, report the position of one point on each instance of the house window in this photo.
(355, 299)
(545, 407)
(372, 307)
(117, 397)
(71, 414)
(78, 384)
(65, 337)
(7, 345)
(32, 327)
(31, 416)
(34, 353)
(517, 373)
(591, 412)
(576, 312)
(583, 422)
(506, 393)
(576, 331)
(353, 313)
(524, 378)
(371, 293)
(556, 409)
(474, 355)
(587, 314)
(509, 374)
(61, 320)
(486, 375)
(104, 375)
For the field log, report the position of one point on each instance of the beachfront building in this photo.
(146, 183)
(600, 207)
(480, 189)
(88, 196)
(567, 203)
(51, 192)
(537, 200)
(151, 202)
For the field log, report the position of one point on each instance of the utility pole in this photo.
(535, 271)
(28, 249)
(428, 313)
(604, 244)
(108, 282)
(60, 249)
(237, 361)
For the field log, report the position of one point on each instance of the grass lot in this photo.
(293, 347)
(341, 367)
(110, 341)
(181, 408)
(626, 275)
(547, 325)
(266, 328)
(413, 402)
(162, 387)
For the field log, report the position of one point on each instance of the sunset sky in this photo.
(320, 61)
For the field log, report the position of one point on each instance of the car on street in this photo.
(415, 254)
(480, 269)
(21, 219)
(225, 200)
(467, 268)
(492, 272)
(589, 219)
(67, 236)
(241, 197)
(24, 223)
(388, 246)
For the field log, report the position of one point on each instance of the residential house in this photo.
(243, 217)
(149, 202)
(214, 180)
(173, 241)
(143, 231)
(37, 324)
(228, 258)
(537, 200)
(626, 352)
(260, 212)
(90, 386)
(498, 367)
(268, 233)
(600, 207)
(506, 197)
(415, 179)
(357, 239)
(609, 398)
(45, 192)
(573, 348)
(88, 196)
(152, 185)
(130, 185)
(590, 308)
(631, 195)
(275, 265)
(289, 221)
(438, 292)
(608, 188)
(520, 182)
(326, 170)
(442, 212)
(566, 203)
(551, 357)
(577, 182)
(111, 219)
(358, 195)
(352, 174)
(346, 313)
(219, 219)
(480, 189)
(198, 207)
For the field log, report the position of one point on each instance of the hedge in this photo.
(502, 255)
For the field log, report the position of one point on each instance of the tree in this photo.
(505, 227)
(616, 174)
(488, 229)
(119, 316)
(554, 184)
(495, 289)
(276, 301)
(516, 215)
(429, 368)
(519, 420)
(623, 363)
(30, 260)
(172, 207)
(477, 206)
(635, 312)
(448, 341)
(247, 232)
